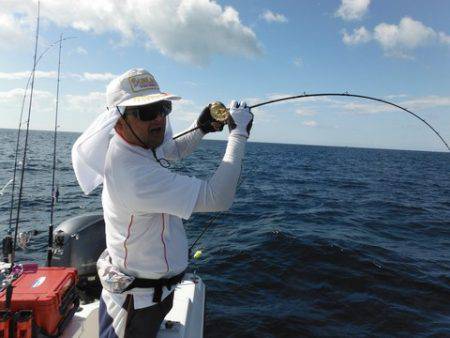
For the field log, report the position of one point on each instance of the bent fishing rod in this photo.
(220, 113)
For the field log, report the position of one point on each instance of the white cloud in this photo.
(11, 102)
(14, 31)
(396, 96)
(186, 110)
(53, 75)
(365, 108)
(26, 74)
(80, 50)
(44, 101)
(183, 36)
(359, 35)
(444, 38)
(352, 9)
(270, 16)
(76, 111)
(11, 95)
(426, 102)
(185, 30)
(14, 96)
(99, 76)
(419, 103)
(310, 123)
(305, 112)
(93, 101)
(397, 40)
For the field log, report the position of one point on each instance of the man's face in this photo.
(151, 133)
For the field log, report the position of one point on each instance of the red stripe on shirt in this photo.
(164, 243)
(125, 242)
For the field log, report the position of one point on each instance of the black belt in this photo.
(156, 284)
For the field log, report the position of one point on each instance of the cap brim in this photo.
(148, 99)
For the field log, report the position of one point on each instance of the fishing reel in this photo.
(219, 112)
(24, 238)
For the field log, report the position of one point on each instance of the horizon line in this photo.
(270, 142)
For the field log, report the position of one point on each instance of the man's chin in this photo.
(156, 142)
(156, 138)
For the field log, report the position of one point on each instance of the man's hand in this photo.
(206, 123)
(240, 120)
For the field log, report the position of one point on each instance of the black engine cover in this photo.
(78, 242)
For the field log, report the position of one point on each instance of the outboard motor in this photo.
(78, 242)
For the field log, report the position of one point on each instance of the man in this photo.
(144, 202)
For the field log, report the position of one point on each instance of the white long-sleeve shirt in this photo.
(144, 205)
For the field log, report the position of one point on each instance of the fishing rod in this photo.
(19, 202)
(7, 241)
(220, 113)
(55, 191)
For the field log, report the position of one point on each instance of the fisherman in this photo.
(144, 202)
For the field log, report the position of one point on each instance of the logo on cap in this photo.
(142, 82)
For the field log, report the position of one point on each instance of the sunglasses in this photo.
(151, 111)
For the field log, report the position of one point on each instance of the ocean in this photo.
(320, 241)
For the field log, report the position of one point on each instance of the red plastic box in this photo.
(49, 293)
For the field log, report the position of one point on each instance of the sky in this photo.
(249, 50)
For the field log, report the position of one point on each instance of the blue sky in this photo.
(253, 50)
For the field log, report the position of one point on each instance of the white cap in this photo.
(136, 87)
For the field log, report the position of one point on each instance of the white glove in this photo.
(241, 119)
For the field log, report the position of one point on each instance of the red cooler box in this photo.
(49, 292)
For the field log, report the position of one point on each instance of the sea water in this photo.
(320, 241)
